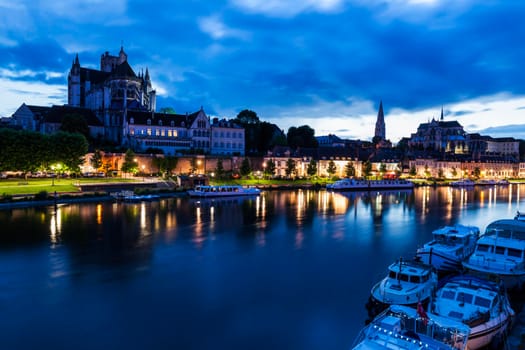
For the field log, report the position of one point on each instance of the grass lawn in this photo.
(15, 187)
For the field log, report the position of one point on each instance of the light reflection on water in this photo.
(286, 269)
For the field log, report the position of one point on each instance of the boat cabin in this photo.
(409, 273)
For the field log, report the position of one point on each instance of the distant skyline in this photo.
(323, 63)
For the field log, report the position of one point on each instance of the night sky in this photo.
(324, 63)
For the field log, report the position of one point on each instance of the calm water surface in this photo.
(286, 270)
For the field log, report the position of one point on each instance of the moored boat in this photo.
(400, 327)
(364, 185)
(223, 191)
(408, 282)
(463, 183)
(450, 246)
(478, 303)
(500, 252)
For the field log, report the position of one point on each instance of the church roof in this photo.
(93, 75)
(55, 114)
(179, 120)
(123, 70)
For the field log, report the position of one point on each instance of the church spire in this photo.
(380, 132)
(441, 113)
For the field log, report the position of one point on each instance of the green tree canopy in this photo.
(69, 149)
(247, 116)
(331, 168)
(129, 165)
(311, 168)
(219, 170)
(303, 136)
(367, 168)
(349, 169)
(269, 170)
(246, 168)
(75, 123)
(167, 110)
(290, 167)
(96, 159)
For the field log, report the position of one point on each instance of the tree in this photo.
(69, 149)
(303, 136)
(382, 169)
(440, 173)
(269, 170)
(331, 168)
(219, 170)
(477, 172)
(413, 171)
(311, 168)
(193, 165)
(167, 110)
(349, 169)
(247, 116)
(427, 171)
(246, 168)
(454, 172)
(129, 165)
(165, 164)
(75, 123)
(96, 159)
(290, 167)
(367, 168)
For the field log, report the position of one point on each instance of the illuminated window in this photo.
(162, 132)
(148, 132)
(175, 133)
(157, 132)
(169, 133)
(132, 131)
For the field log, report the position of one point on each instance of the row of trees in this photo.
(261, 136)
(29, 151)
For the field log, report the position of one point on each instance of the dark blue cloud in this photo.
(260, 62)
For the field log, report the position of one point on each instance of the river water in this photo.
(285, 270)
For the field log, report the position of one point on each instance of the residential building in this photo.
(47, 120)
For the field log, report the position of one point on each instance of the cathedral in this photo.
(119, 105)
(110, 92)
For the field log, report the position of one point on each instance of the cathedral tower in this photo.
(380, 132)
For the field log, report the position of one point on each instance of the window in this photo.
(169, 133)
(160, 122)
(392, 275)
(465, 298)
(403, 277)
(132, 121)
(172, 124)
(514, 252)
(483, 302)
(132, 131)
(149, 121)
(448, 294)
(500, 250)
(483, 248)
(148, 132)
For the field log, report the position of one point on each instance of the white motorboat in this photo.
(478, 303)
(404, 328)
(450, 246)
(408, 282)
(463, 183)
(500, 252)
(364, 185)
(223, 191)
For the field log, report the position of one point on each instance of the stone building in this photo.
(111, 92)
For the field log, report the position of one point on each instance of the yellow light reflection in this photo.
(55, 226)
(143, 215)
(99, 214)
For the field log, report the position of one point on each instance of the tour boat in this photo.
(463, 183)
(404, 328)
(450, 246)
(363, 185)
(223, 191)
(479, 304)
(408, 282)
(500, 252)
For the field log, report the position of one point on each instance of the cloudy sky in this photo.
(323, 63)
